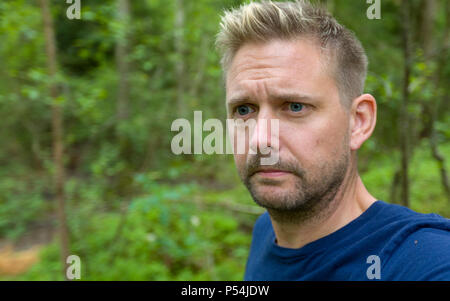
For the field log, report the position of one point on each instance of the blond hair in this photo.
(267, 20)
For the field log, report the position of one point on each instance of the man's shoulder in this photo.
(423, 255)
(419, 247)
(400, 216)
(406, 225)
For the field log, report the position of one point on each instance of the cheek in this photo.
(240, 160)
(299, 144)
(313, 145)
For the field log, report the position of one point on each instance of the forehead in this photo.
(278, 64)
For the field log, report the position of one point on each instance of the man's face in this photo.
(288, 81)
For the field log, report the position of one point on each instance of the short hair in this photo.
(267, 20)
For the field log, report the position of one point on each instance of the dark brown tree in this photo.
(404, 116)
(121, 52)
(57, 132)
(180, 68)
(435, 52)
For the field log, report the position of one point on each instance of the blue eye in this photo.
(295, 106)
(243, 110)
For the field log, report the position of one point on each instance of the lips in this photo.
(271, 173)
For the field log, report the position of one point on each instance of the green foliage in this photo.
(21, 203)
(163, 236)
(427, 193)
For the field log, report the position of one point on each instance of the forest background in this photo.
(86, 107)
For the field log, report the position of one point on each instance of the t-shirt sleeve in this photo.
(422, 256)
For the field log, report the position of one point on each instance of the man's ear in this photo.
(363, 117)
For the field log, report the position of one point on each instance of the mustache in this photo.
(254, 164)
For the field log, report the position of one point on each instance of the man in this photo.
(294, 63)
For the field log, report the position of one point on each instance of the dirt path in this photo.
(16, 257)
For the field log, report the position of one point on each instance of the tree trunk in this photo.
(426, 28)
(439, 80)
(57, 132)
(432, 108)
(121, 52)
(440, 159)
(404, 116)
(180, 49)
(393, 195)
(199, 77)
(123, 179)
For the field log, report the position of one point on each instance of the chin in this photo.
(272, 195)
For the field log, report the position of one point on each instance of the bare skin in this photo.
(318, 138)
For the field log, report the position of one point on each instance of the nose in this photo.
(264, 137)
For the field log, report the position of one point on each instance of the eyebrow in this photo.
(286, 97)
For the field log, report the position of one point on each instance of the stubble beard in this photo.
(312, 195)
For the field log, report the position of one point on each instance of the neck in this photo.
(349, 202)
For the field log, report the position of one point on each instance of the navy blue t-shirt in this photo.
(386, 242)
